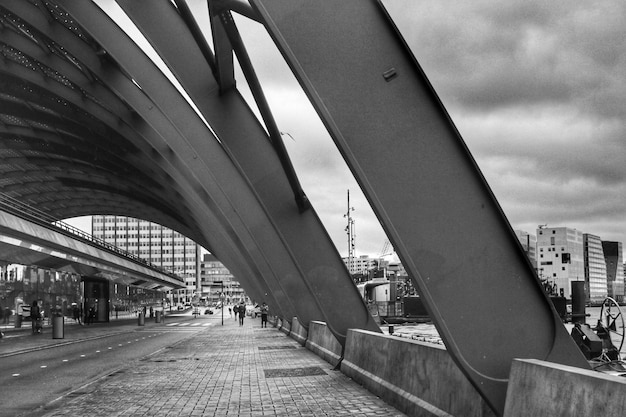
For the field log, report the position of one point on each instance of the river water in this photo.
(426, 332)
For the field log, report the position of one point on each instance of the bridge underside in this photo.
(89, 125)
(27, 243)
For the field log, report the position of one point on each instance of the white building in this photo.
(156, 244)
(560, 257)
(360, 265)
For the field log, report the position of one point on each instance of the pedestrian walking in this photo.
(242, 312)
(230, 312)
(76, 314)
(264, 312)
(35, 317)
(91, 315)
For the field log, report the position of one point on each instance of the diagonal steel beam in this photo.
(435, 206)
(311, 269)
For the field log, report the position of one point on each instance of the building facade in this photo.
(615, 270)
(595, 269)
(360, 265)
(529, 244)
(218, 284)
(157, 245)
(560, 257)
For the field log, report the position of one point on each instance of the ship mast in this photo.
(350, 231)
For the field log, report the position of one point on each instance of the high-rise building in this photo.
(595, 269)
(560, 257)
(615, 270)
(157, 245)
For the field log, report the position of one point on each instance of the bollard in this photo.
(390, 329)
(141, 320)
(157, 316)
(58, 328)
(18, 321)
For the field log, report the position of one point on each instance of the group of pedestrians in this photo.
(240, 312)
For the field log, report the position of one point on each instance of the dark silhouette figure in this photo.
(242, 312)
(264, 312)
(35, 317)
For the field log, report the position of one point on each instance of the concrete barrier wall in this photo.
(284, 326)
(322, 342)
(538, 388)
(298, 332)
(417, 378)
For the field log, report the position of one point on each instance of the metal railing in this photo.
(34, 215)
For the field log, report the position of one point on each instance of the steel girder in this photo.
(180, 186)
(439, 212)
(308, 269)
(221, 205)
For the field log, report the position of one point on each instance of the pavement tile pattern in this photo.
(228, 370)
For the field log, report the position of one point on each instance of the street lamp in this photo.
(221, 297)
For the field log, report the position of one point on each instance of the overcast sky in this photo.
(537, 90)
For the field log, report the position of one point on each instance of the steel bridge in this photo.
(90, 125)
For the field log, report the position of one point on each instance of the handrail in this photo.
(30, 213)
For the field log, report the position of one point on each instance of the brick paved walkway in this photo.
(226, 371)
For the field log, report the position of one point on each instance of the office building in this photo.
(157, 245)
(595, 269)
(561, 257)
(615, 270)
(217, 283)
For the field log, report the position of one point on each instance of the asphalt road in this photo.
(32, 379)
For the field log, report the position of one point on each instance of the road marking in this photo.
(43, 366)
(15, 375)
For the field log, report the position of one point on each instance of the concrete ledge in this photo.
(298, 332)
(538, 388)
(417, 378)
(322, 342)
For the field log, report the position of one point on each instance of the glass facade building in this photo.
(595, 269)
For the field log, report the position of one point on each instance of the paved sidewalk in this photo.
(225, 371)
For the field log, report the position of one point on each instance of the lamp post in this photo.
(221, 297)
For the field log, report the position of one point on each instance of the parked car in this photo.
(208, 311)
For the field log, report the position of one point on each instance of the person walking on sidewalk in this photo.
(264, 311)
(241, 309)
(76, 314)
(35, 318)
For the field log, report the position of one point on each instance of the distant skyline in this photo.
(536, 90)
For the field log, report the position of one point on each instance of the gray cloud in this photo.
(536, 89)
